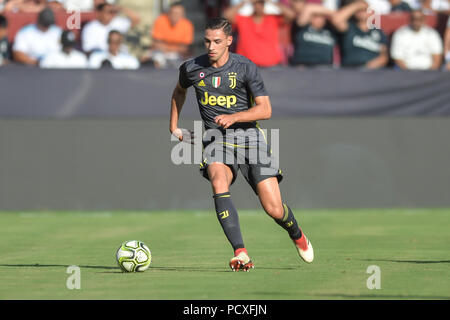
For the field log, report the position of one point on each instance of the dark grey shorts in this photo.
(245, 150)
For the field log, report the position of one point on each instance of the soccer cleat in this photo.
(241, 261)
(304, 248)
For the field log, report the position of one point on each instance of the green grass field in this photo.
(191, 254)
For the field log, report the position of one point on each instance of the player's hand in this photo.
(184, 135)
(225, 120)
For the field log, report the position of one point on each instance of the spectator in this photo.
(399, 6)
(85, 5)
(247, 8)
(258, 34)
(56, 5)
(447, 45)
(4, 44)
(113, 57)
(95, 33)
(362, 44)
(331, 4)
(431, 7)
(34, 41)
(417, 46)
(172, 35)
(312, 38)
(67, 57)
(378, 6)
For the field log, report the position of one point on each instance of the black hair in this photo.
(220, 23)
(101, 6)
(114, 32)
(176, 3)
(3, 21)
(106, 64)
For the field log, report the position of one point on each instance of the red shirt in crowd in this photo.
(259, 42)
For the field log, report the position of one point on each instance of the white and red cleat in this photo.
(241, 261)
(304, 248)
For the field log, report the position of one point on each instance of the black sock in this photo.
(289, 223)
(229, 219)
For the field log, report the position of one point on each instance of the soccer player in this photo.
(232, 97)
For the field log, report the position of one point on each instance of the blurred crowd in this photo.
(321, 33)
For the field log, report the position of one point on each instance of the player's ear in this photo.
(229, 40)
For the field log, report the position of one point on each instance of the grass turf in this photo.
(191, 254)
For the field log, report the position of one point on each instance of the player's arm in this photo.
(436, 61)
(231, 12)
(311, 9)
(285, 11)
(380, 61)
(262, 110)
(341, 17)
(177, 102)
(22, 57)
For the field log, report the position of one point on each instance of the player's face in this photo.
(3, 32)
(176, 13)
(115, 42)
(107, 14)
(318, 21)
(362, 15)
(216, 43)
(417, 20)
(258, 8)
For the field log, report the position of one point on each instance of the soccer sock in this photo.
(229, 219)
(289, 223)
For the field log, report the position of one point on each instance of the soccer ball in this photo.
(133, 256)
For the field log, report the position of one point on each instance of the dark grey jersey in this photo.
(225, 90)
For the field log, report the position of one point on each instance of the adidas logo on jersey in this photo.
(201, 83)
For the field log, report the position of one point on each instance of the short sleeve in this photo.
(188, 36)
(396, 45)
(20, 42)
(384, 39)
(158, 28)
(254, 80)
(435, 42)
(183, 78)
(89, 37)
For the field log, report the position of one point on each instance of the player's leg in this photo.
(269, 195)
(221, 176)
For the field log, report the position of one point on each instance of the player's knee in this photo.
(275, 211)
(219, 184)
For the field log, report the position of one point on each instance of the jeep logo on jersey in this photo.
(216, 82)
(222, 101)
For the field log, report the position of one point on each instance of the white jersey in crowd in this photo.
(416, 48)
(36, 43)
(120, 61)
(81, 5)
(95, 34)
(384, 6)
(61, 60)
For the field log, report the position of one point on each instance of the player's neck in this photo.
(222, 61)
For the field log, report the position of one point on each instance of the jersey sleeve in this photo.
(20, 42)
(254, 80)
(384, 39)
(183, 78)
